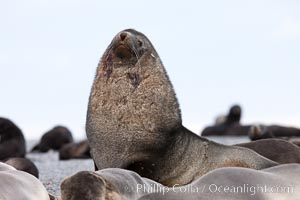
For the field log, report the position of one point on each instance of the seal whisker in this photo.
(136, 53)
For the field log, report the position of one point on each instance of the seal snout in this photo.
(255, 131)
(123, 45)
(123, 35)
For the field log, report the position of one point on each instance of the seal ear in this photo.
(35, 148)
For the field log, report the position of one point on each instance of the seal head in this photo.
(234, 115)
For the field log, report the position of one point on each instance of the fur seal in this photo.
(233, 183)
(234, 115)
(12, 141)
(15, 184)
(228, 125)
(278, 150)
(54, 139)
(259, 131)
(134, 120)
(256, 132)
(24, 164)
(79, 150)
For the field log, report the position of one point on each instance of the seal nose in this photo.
(123, 36)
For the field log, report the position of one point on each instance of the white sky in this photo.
(216, 53)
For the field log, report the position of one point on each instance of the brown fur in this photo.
(134, 122)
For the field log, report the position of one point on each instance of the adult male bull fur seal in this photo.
(134, 120)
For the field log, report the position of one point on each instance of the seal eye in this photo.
(140, 43)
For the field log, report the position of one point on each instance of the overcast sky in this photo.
(216, 53)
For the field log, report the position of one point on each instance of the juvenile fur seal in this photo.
(234, 115)
(278, 150)
(12, 141)
(228, 125)
(234, 183)
(259, 131)
(134, 121)
(79, 150)
(24, 164)
(15, 184)
(54, 139)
